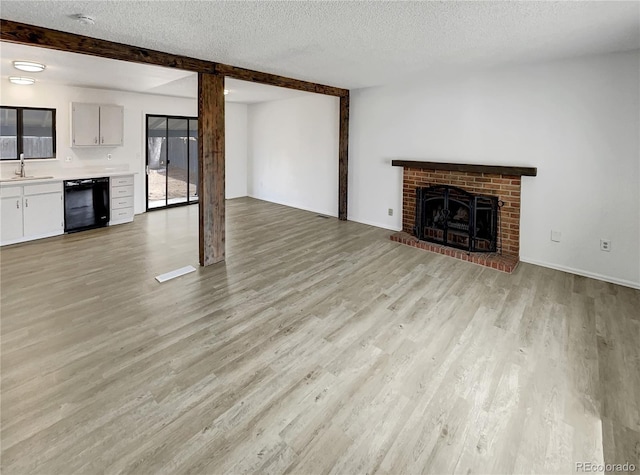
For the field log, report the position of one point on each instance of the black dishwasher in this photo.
(86, 204)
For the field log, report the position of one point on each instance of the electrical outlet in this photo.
(390, 211)
(555, 236)
(605, 245)
(108, 156)
(68, 159)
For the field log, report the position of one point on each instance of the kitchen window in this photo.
(27, 130)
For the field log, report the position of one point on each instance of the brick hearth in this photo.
(488, 259)
(505, 186)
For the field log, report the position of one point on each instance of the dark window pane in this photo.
(27, 131)
(193, 159)
(37, 133)
(177, 160)
(157, 161)
(8, 133)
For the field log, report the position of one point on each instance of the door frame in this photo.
(146, 154)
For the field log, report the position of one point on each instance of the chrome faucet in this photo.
(22, 173)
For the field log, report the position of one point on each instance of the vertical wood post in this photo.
(211, 168)
(343, 157)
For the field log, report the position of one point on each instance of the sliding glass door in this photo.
(172, 161)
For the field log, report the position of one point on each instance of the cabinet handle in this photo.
(17, 204)
(26, 202)
(95, 140)
(102, 140)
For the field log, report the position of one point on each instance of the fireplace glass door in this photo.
(453, 217)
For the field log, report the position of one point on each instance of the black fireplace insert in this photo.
(453, 217)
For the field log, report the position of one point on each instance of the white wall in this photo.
(235, 150)
(577, 121)
(130, 156)
(293, 152)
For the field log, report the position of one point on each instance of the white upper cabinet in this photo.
(111, 121)
(96, 125)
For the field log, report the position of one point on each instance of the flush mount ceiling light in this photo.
(23, 81)
(84, 19)
(29, 66)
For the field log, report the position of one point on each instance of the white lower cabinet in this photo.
(121, 199)
(43, 214)
(11, 214)
(31, 212)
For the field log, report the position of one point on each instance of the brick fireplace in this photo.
(502, 182)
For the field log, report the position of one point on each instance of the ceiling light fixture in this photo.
(29, 66)
(21, 80)
(226, 91)
(84, 19)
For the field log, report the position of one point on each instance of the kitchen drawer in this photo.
(123, 214)
(124, 202)
(9, 191)
(43, 188)
(122, 180)
(121, 191)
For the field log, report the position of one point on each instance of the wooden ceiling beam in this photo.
(22, 33)
(280, 81)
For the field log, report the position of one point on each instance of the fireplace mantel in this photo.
(462, 167)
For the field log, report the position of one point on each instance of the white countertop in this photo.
(70, 175)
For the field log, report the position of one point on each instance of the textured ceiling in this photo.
(351, 44)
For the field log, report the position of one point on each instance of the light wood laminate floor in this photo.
(318, 347)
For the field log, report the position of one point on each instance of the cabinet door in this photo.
(10, 218)
(85, 124)
(111, 122)
(43, 214)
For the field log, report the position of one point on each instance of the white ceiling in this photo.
(89, 71)
(350, 44)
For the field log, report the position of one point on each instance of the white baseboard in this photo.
(32, 238)
(333, 214)
(592, 275)
(372, 223)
